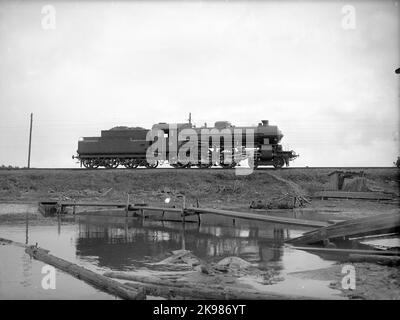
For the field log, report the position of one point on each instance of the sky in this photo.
(323, 72)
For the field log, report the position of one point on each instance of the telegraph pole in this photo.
(30, 142)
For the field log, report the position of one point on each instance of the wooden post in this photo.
(59, 224)
(30, 142)
(183, 237)
(198, 214)
(183, 222)
(183, 210)
(126, 230)
(127, 206)
(26, 228)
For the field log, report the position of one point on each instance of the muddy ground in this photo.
(209, 188)
(373, 281)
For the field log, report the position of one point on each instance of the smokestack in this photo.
(264, 122)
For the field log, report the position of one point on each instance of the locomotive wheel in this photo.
(278, 162)
(205, 163)
(180, 165)
(111, 163)
(131, 163)
(186, 166)
(224, 165)
(151, 165)
(228, 165)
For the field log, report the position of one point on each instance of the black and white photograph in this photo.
(212, 151)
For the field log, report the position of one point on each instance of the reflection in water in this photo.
(26, 270)
(58, 224)
(121, 242)
(183, 237)
(26, 228)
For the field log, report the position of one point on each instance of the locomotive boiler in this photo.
(223, 145)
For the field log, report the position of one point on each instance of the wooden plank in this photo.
(166, 209)
(201, 292)
(353, 195)
(261, 217)
(359, 221)
(347, 230)
(383, 260)
(351, 228)
(349, 251)
(92, 204)
(157, 286)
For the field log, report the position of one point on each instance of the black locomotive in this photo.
(129, 146)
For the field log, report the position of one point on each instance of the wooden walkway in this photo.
(188, 212)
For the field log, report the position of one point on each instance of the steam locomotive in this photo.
(225, 145)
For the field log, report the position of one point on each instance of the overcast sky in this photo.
(329, 87)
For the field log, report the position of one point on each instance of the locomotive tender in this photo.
(129, 146)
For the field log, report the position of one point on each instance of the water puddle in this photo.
(103, 243)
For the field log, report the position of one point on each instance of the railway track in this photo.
(202, 169)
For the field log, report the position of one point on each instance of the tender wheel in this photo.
(111, 163)
(86, 163)
(131, 163)
(151, 165)
(94, 163)
(204, 165)
(90, 163)
(278, 162)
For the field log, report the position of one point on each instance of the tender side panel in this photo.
(112, 146)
